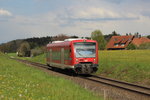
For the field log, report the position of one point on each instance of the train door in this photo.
(50, 55)
(62, 55)
(47, 56)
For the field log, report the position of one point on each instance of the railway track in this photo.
(107, 81)
(120, 84)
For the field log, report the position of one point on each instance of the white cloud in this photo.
(5, 13)
(97, 14)
(79, 18)
(94, 12)
(53, 23)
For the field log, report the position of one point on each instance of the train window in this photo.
(56, 55)
(47, 53)
(85, 49)
(67, 54)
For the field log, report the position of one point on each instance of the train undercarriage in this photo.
(85, 68)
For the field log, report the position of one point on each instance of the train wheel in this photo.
(71, 72)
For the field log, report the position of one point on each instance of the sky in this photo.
(21, 19)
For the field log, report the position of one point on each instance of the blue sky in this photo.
(37, 18)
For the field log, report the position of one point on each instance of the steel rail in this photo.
(124, 85)
(122, 82)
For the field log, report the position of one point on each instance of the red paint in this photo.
(69, 45)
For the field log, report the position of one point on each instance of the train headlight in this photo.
(94, 60)
(77, 60)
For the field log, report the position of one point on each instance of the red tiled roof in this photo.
(139, 41)
(119, 42)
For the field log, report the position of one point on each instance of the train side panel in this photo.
(60, 56)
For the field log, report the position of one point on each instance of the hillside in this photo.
(12, 46)
(35, 42)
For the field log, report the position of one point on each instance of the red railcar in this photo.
(80, 55)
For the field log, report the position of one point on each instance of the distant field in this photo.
(41, 58)
(21, 82)
(127, 65)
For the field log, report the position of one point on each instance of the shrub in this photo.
(131, 47)
(24, 50)
(144, 46)
(36, 51)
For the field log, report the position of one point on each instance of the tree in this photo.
(98, 36)
(148, 36)
(108, 37)
(60, 37)
(24, 50)
(136, 35)
(114, 33)
(74, 36)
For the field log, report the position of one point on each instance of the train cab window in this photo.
(85, 49)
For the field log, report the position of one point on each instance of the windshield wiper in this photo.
(80, 54)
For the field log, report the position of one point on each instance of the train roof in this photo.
(67, 42)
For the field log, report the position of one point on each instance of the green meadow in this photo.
(21, 82)
(127, 65)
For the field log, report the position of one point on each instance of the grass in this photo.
(21, 82)
(40, 58)
(128, 65)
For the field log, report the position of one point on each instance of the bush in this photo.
(144, 46)
(131, 47)
(24, 50)
(36, 51)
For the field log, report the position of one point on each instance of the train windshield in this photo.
(85, 49)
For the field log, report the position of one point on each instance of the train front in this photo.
(86, 57)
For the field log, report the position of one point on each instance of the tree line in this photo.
(104, 39)
(36, 45)
(31, 46)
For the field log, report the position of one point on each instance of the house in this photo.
(140, 40)
(121, 42)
